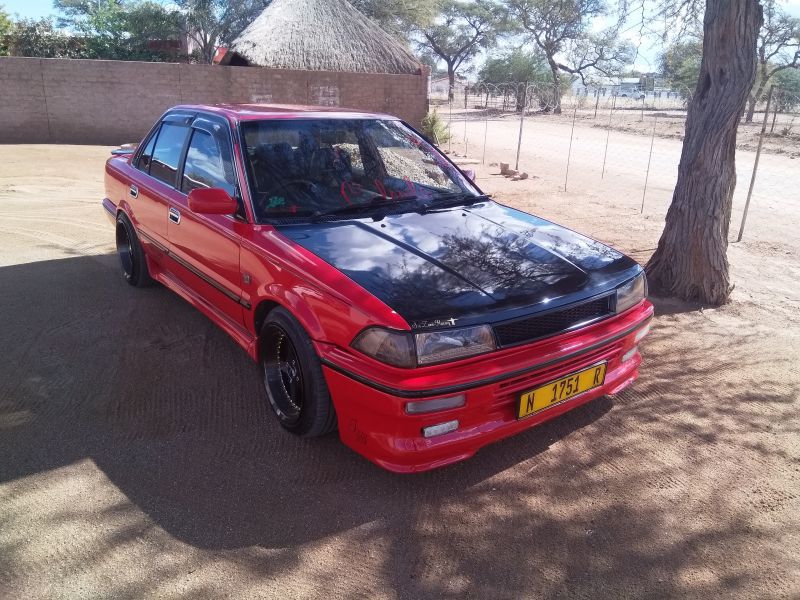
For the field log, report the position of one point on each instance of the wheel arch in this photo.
(296, 306)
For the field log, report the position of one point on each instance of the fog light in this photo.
(439, 429)
(428, 406)
(641, 333)
(630, 354)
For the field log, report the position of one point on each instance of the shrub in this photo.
(434, 127)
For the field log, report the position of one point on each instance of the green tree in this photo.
(120, 29)
(40, 38)
(459, 32)
(787, 84)
(5, 27)
(215, 23)
(680, 65)
(515, 65)
(398, 17)
(562, 31)
(521, 68)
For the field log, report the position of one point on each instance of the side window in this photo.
(208, 164)
(146, 157)
(167, 152)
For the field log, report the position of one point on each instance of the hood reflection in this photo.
(460, 263)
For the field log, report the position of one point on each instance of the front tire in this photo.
(131, 254)
(293, 378)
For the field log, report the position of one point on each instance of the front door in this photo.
(206, 247)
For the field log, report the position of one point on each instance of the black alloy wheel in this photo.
(293, 378)
(131, 254)
(283, 375)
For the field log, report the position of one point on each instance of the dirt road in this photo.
(139, 459)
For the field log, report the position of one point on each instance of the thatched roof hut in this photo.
(320, 35)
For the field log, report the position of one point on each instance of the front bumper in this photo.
(371, 406)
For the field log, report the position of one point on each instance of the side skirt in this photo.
(242, 337)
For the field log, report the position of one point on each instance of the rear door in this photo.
(153, 181)
(206, 247)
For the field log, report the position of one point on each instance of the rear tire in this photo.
(293, 378)
(131, 254)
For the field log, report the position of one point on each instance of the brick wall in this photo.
(113, 102)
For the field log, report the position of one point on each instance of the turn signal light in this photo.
(428, 406)
(439, 429)
(629, 354)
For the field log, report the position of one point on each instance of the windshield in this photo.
(306, 167)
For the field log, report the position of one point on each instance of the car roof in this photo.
(259, 112)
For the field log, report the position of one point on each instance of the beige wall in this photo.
(114, 102)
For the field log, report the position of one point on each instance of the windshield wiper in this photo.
(374, 203)
(456, 199)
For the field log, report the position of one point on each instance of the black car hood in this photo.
(461, 265)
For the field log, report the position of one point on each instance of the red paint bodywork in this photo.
(333, 309)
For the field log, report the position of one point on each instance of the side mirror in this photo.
(470, 174)
(211, 201)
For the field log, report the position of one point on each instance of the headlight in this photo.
(392, 347)
(404, 349)
(631, 293)
(452, 344)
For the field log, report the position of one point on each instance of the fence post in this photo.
(569, 152)
(597, 103)
(755, 165)
(466, 91)
(649, 159)
(521, 121)
(485, 136)
(608, 134)
(778, 97)
(465, 135)
(450, 127)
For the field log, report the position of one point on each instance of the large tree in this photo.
(562, 31)
(120, 29)
(778, 50)
(680, 65)
(398, 17)
(515, 65)
(459, 32)
(5, 27)
(214, 23)
(40, 38)
(691, 259)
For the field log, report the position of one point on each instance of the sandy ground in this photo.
(139, 458)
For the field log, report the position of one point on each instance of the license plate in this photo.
(560, 390)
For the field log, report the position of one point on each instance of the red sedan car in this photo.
(377, 287)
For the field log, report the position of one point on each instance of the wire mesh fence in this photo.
(624, 143)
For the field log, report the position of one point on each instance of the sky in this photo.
(646, 60)
(40, 8)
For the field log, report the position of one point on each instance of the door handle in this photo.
(174, 215)
(134, 191)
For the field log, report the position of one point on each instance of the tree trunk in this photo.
(556, 87)
(691, 259)
(451, 78)
(751, 108)
(754, 97)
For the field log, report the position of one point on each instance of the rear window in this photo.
(167, 152)
(147, 154)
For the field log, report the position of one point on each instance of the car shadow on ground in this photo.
(171, 410)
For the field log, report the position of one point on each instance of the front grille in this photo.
(539, 326)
